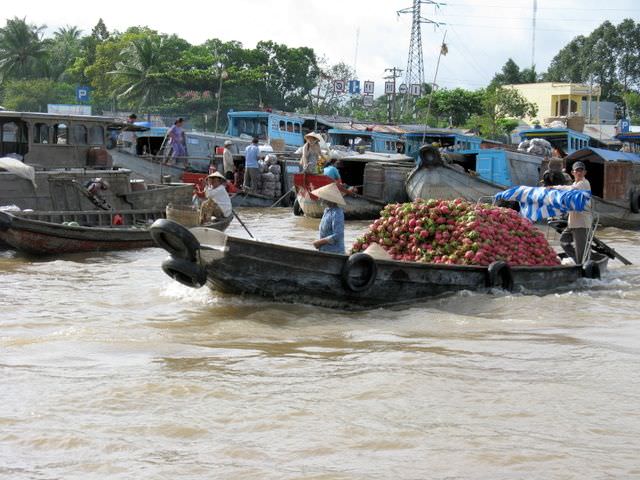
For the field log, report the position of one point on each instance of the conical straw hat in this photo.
(314, 135)
(330, 193)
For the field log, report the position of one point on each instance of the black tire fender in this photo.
(591, 270)
(359, 262)
(634, 200)
(297, 210)
(499, 276)
(185, 272)
(175, 239)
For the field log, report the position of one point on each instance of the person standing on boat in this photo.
(218, 203)
(177, 141)
(227, 160)
(579, 223)
(311, 153)
(332, 224)
(251, 166)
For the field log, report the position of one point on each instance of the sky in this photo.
(369, 35)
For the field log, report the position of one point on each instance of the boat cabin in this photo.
(564, 139)
(358, 140)
(446, 141)
(266, 126)
(612, 175)
(47, 141)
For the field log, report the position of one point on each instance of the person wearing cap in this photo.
(579, 223)
(216, 194)
(311, 153)
(227, 160)
(331, 229)
(251, 166)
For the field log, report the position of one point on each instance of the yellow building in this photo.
(561, 100)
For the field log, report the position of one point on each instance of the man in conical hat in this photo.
(332, 224)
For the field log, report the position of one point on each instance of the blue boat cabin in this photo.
(564, 139)
(445, 140)
(266, 126)
(365, 140)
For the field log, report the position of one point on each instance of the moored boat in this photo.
(615, 185)
(48, 159)
(437, 176)
(52, 233)
(287, 274)
(376, 180)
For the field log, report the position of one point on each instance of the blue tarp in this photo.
(537, 203)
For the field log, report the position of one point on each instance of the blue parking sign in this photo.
(82, 94)
(354, 86)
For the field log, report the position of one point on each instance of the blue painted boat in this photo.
(267, 126)
(366, 140)
(565, 139)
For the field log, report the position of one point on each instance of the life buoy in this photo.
(363, 263)
(634, 200)
(499, 276)
(591, 270)
(175, 239)
(185, 272)
(297, 210)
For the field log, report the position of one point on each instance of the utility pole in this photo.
(415, 66)
(533, 35)
(395, 73)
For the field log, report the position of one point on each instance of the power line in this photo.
(519, 7)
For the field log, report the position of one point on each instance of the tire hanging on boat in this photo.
(359, 262)
(499, 276)
(185, 272)
(175, 239)
(591, 270)
(634, 200)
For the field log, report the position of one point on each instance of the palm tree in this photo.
(141, 67)
(22, 51)
(64, 48)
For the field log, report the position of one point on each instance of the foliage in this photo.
(22, 51)
(500, 106)
(511, 74)
(33, 95)
(451, 107)
(609, 57)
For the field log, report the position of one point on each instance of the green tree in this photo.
(22, 51)
(33, 95)
(323, 97)
(63, 50)
(453, 107)
(142, 66)
(501, 106)
(511, 74)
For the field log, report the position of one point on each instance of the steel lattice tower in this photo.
(414, 74)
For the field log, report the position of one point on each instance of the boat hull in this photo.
(294, 275)
(38, 237)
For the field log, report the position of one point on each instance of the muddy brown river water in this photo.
(110, 370)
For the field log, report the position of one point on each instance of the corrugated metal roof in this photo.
(606, 155)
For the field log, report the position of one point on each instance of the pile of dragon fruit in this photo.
(457, 232)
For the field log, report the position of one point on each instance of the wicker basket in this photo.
(186, 215)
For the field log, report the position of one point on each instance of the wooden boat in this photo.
(49, 233)
(378, 178)
(286, 274)
(438, 177)
(615, 185)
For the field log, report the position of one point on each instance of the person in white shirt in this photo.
(217, 193)
(579, 222)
